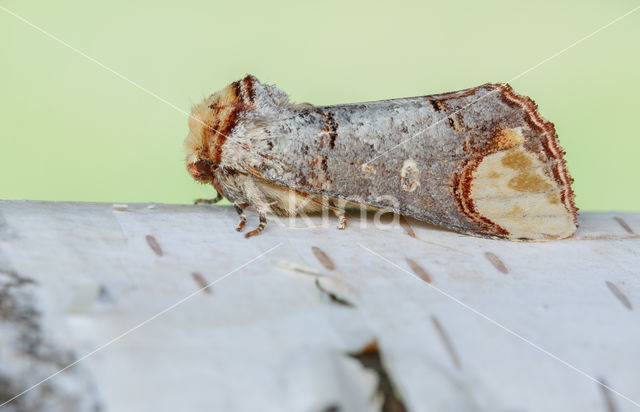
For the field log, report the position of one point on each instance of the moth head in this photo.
(201, 170)
(210, 124)
(197, 159)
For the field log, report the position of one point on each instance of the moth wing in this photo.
(480, 161)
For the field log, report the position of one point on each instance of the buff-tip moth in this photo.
(480, 161)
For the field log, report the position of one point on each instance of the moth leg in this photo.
(342, 220)
(261, 226)
(256, 198)
(243, 218)
(218, 198)
(340, 214)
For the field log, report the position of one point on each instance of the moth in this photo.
(480, 161)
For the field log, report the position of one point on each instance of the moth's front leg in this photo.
(243, 218)
(218, 198)
(258, 200)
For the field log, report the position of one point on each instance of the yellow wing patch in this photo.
(511, 189)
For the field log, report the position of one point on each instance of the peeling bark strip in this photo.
(618, 294)
(154, 245)
(480, 161)
(370, 358)
(496, 262)
(338, 291)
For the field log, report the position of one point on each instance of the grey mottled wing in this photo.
(480, 161)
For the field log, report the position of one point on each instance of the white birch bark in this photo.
(267, 336)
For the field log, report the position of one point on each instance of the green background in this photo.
(72, 130)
